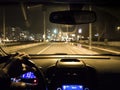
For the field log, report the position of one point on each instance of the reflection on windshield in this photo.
(26, 28)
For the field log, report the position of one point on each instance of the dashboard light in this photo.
(28, 75)
(35, 81)
(72, 87)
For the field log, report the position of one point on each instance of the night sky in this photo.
(14, 18)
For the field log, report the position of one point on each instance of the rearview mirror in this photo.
(73, 17)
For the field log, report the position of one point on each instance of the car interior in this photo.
(62, 71)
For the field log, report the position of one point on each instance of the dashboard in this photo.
(70, 73)
(88, 73)
(28, 77)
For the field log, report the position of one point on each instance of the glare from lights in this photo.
(80, 30)
(97, 34)
(55, 31)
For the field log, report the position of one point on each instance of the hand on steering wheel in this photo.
(15, 66)
(18, 64)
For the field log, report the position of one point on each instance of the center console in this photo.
(71, 74)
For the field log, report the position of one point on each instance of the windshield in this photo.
(26, 28)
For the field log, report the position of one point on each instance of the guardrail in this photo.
(112, 43)
(108, 43)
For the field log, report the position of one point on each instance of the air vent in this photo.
(69, 60)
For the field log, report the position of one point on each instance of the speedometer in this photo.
(28, 78)
(28, 75)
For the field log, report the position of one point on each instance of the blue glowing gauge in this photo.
(72, 87)
(28, 75)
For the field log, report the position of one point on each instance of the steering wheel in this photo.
(28, 81)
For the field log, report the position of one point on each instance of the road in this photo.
(61, 48)
(57, 48)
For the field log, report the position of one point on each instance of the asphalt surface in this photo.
(57, 48)
(60, 48)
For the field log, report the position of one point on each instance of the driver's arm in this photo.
(13, 68)
(4, 80)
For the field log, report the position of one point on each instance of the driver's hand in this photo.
(14, 66)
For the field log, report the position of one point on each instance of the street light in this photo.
(44, 17)
(4, 31)
(97, 34)
(25, 15)
(44, 21)
(55, 31)
(90, 32)
(79, 32)
(118, 28)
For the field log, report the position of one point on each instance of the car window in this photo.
(26, 28)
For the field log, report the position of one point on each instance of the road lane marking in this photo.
(44, 49)
(70, 50)
(74, 50)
